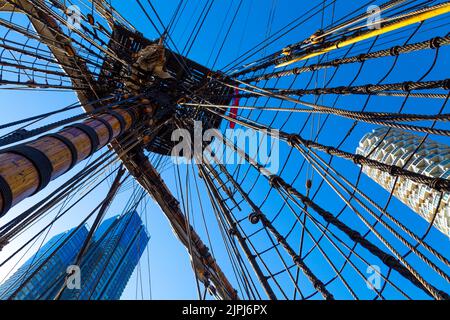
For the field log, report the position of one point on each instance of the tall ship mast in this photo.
(307, 160)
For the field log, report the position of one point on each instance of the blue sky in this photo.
(171, 274)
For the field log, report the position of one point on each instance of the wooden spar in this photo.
(79, 72)
(27, 168)
(206, 267)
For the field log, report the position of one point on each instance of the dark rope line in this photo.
(432, 43)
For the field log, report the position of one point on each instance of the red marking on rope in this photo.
(234, 111)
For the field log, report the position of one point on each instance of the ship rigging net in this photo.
(324, 162)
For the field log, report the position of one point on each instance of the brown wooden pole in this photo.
(206, 266)
(27, 168)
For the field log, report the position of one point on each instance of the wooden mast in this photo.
(27, 168)
(206, 267)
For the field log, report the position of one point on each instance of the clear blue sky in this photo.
(171, 274)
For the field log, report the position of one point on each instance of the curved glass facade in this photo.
(106, 267)
(403, 149)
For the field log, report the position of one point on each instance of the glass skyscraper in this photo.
(117, 247)
(106, 267)
(33, 280)
(401, 148)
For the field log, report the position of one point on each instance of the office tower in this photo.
(106, 267)
(401, 148)
(117, 247)
(39, 276)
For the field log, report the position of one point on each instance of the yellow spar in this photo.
(445, 8)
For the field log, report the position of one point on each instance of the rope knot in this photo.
(357, 159)
(435, 43)
(407, 86)
(275, 182)
(307, 201)
(294, 139)
(394, 51)
(394, 170)
(254, 217)
(297, 259)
